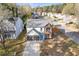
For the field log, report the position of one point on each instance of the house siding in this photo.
(42, 36)
(33, 32)
(19, 27)
(13, 28)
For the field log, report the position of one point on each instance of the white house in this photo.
(11, 28)
(44, 13)
(50, 14)
(39, 29)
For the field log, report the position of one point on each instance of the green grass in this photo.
(13, 45)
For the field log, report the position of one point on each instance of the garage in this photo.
(33, 37)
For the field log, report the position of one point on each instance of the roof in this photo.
(6, 25)
(13, 19)
(34, 32)
(38, 23)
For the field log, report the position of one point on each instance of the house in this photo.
(39, 29)
(11, 28)
(44, 13)
(35, 15)
(50, 14)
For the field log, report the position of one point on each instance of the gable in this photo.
(32, 32)
(29, 29)
(48, 25)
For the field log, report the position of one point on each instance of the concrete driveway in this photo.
(32, 48)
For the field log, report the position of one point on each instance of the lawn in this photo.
(60, 45)
(14, 46)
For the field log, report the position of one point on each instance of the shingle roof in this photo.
(38, 23)
(39, 33)
(6, 25)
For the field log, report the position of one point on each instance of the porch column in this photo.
(43, 37)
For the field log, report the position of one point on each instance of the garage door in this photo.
(32, 37)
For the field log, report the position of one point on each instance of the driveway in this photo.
(32, 48)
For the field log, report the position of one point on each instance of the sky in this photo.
(39, 4)
(33, 5)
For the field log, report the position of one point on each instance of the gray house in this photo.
(11, 28)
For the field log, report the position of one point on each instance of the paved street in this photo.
(72, 33)
(32, 48)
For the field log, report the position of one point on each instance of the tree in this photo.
(4, 13)
(44, 9)
(25, 12)
(52, 8)
(25, 9)
(11, 7)
(69, 9)
(76, 9)
(57, 8)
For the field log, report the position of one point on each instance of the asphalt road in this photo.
(74, 35)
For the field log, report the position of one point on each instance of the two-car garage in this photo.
(35, 37)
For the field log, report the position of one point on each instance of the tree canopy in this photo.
(71, 8)
(52, 8)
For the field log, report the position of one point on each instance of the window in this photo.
(13, 35)
(29, 37)
(47, 29)
(41, 29)
(7, 35)
(36, 37)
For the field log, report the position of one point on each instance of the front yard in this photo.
(13, 46)
(60, 45)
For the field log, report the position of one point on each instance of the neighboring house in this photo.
(44, 13)
(11, 28)
(39, 13)
(39, 29)
(35, 15)
(50, 14)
